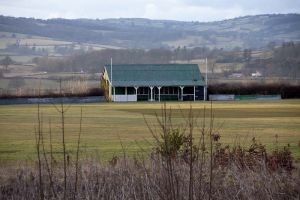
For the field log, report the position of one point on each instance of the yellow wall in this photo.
(106, 86)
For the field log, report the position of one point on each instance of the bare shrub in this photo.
(149, 180)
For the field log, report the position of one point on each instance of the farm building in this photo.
(153, 82)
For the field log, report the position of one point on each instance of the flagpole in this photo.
(111, 81)
(111, 71)
(205, 79)
(206, 71)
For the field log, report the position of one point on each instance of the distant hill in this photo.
(245, 32)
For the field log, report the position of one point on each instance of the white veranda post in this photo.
(136, 92)
(159, 93)
(136, 89)
(204, 93)
(194, 93)
(151, 88)
(114, 93)
(181, 87)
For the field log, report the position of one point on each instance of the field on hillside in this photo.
(106, 125)
(44, 44)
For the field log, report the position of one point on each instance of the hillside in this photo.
(245, 32)
(60, 49)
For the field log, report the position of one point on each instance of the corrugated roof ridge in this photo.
(155, 64)
(129, 67)
(118, 65)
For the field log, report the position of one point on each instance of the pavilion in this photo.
(153, 82)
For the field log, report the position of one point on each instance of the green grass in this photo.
(104, 124)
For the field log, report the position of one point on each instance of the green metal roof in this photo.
(155, 75)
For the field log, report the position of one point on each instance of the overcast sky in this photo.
(184, 10)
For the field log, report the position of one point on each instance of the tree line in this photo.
(285, 59)
(94, 61)
(284, 62)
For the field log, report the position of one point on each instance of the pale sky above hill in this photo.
(183, 10)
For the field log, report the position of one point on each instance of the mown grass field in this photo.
(106, 125)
